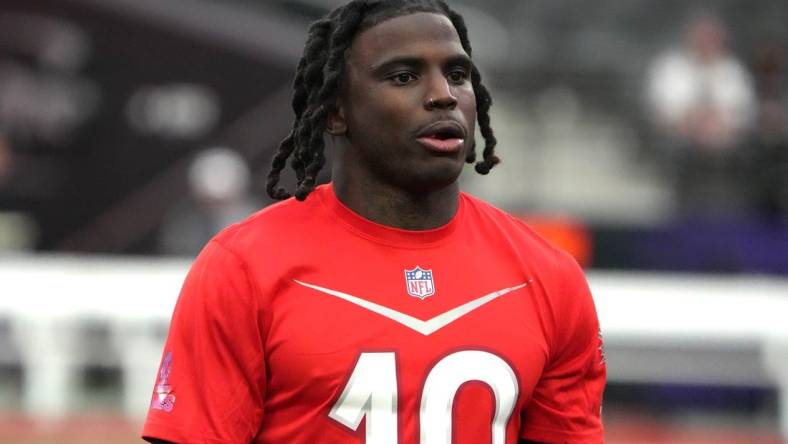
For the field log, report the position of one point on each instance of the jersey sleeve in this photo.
(211, 383)
(566, 403)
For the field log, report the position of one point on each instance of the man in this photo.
(700, 93)
(703, 104)
(387, 307)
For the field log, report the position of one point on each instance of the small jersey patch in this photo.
(163, 399)
(419, 283)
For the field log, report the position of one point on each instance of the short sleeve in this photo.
(565, 406)
(211, 383)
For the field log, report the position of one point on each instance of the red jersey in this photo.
(307, 323)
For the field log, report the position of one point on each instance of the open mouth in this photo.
(447, 133)
(442, 137)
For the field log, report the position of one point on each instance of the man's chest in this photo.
(415, 347)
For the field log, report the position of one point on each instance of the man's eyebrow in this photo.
(417, 62)
(460, 60)
(414, 62)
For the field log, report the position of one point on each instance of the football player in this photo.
(386, 306)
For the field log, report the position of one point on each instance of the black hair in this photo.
(317, 80)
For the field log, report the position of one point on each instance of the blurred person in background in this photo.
(702, 101)
(446, 295)
(219, 184)
(46, 100)
(769, 173)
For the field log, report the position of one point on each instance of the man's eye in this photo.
(403, 78)
(458, 76)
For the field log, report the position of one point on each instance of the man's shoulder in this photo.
(278, 222)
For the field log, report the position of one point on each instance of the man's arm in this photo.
(214, 341)
(565, 404)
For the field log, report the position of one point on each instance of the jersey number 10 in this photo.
(371, 392)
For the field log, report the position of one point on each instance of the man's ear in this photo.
(336, 125)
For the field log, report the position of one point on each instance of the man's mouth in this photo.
(442, 137)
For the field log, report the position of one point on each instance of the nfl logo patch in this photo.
(419, 283)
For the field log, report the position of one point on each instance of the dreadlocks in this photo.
(317, 80)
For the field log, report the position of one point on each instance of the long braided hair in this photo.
(317, 81)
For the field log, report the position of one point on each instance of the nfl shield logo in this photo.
(419, 283)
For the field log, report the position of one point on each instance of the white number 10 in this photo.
(371, 391)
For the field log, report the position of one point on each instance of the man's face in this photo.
(408, 104)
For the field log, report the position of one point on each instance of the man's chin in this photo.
(439, 175)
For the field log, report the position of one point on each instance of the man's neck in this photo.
(396, 207)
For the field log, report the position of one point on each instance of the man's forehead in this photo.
(406, 35)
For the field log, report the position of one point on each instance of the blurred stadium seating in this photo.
(104, 104)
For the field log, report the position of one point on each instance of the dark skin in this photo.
(402, 75)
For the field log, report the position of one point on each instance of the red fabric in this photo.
(259, 355)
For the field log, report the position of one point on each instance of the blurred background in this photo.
(649, 139)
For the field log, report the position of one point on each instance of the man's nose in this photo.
(439, 95)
